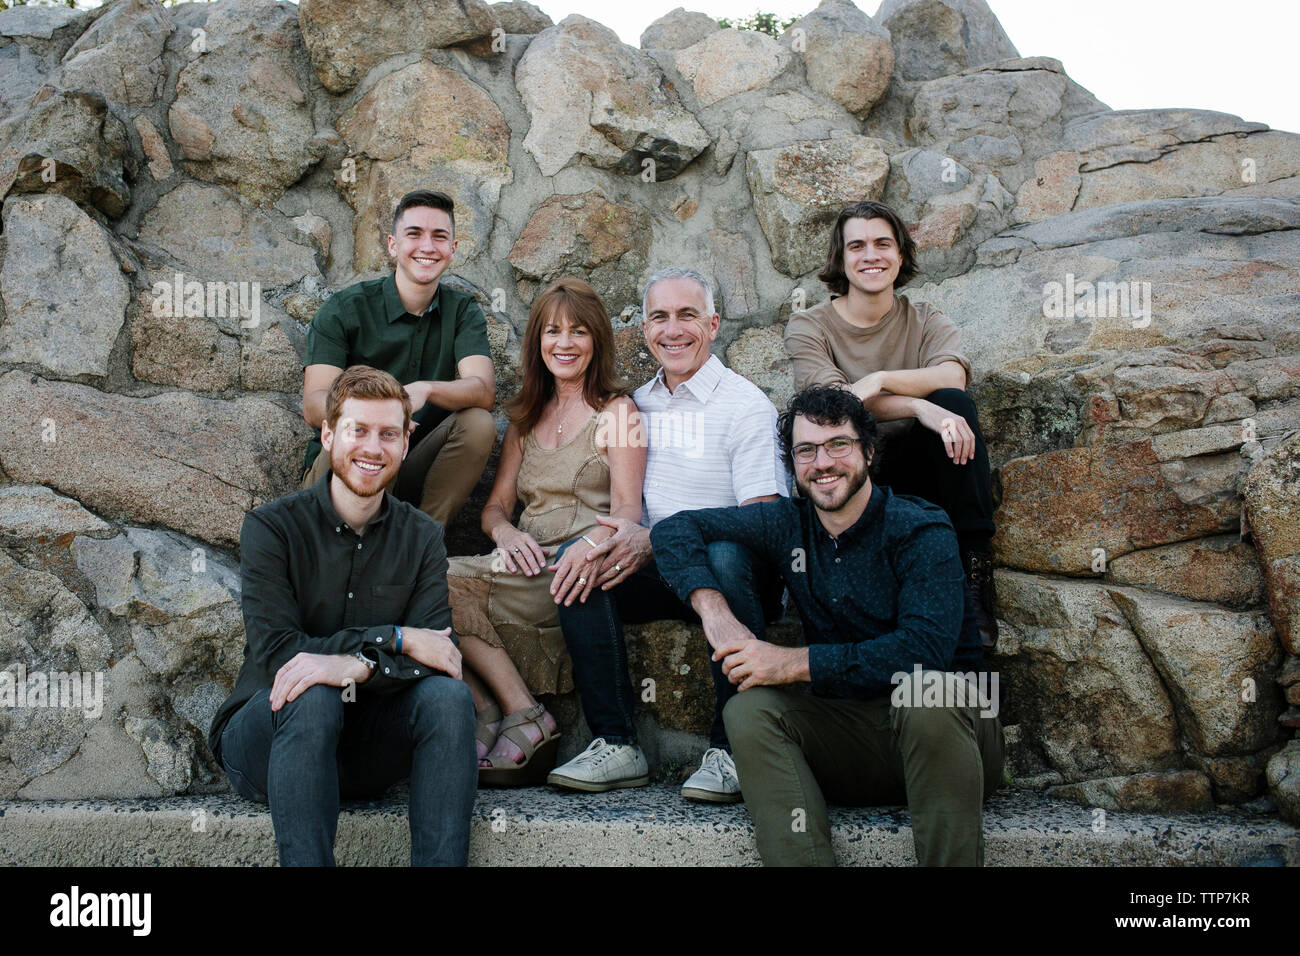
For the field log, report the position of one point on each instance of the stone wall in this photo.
(184, 186)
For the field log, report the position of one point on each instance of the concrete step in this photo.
(651, 826)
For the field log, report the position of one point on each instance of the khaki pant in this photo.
(794, 752)
(440, 472)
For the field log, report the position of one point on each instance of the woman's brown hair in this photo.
(575, 300)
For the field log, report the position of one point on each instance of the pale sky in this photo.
(1236, 57)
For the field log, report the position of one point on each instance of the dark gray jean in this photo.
(593, 633)
(301, 758)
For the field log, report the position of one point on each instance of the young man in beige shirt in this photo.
(905, 363)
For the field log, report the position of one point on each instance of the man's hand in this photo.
(305, 670)
(574, 577)
(419, 393)
(721, 627)
(869, 386)
(619, 555)
(958, 439)
(433, 649)
(755, 663)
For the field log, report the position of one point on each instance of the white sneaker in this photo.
(715, 781)
(603, 767)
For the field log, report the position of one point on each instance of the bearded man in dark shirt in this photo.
(887, 703)
(351, 675)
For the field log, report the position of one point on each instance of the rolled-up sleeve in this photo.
(941, 342)
(810, 355)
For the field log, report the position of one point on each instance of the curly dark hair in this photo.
(829, 405)
(833, 274)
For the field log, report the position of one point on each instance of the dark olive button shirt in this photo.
(310, 583)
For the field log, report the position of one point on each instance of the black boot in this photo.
(979, 578)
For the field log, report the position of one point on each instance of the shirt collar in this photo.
(702, 384)
(321, 492)
(393, 308)
(870, 515)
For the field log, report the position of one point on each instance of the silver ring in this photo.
(515, 550)
(618, 568)
(582, 580)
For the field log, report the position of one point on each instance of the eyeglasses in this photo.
(836, 448)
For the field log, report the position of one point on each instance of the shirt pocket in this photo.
(388, 603)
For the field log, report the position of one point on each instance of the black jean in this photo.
(300, 758)
(593, 633)
(915, 462)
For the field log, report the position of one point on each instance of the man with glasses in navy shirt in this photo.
(879, 707)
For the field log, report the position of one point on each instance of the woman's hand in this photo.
(571, 573)
(519, 552)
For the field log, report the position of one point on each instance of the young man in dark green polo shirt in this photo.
(431, 338)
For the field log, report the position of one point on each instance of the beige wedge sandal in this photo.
(539, 758)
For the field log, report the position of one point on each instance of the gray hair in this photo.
(678, 272)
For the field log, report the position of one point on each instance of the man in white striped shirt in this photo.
(712, 444)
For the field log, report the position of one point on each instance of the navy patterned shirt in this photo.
(887, 594)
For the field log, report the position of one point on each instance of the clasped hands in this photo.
(582, 567)
(747, 661)
(432, 648)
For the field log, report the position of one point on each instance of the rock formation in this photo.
(182, 188)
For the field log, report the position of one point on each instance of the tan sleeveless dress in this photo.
(562, 489)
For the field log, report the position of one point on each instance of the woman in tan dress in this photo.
(570, 453)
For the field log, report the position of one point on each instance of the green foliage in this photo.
(768, 23)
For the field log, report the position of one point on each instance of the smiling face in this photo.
(367, 444)
(678, 328)
(871, 256)
(567, 347)
(422, 245)
(831, 484)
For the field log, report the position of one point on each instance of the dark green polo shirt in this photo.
(365, 324)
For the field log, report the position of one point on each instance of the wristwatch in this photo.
(371, 665)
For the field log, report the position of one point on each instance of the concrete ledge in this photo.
(647, 827)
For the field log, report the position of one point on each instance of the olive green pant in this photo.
(794, 752)
(440, 472)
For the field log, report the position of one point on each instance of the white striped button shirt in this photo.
(712, 443)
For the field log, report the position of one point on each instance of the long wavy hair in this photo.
(576, 301)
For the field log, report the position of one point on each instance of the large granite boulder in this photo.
(1132, 155)
(1087, 699)
(240, 115)
(799, 189)
(845, 55)
(1271, 496)
(588, 236)
(57, 262)
(677, 29)
(121, 55)
(520, 16)
(728, 62)
(213, 235)
(66, 142)
(593, 99)
(189, 463)
(343, 52)
(933, 38)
